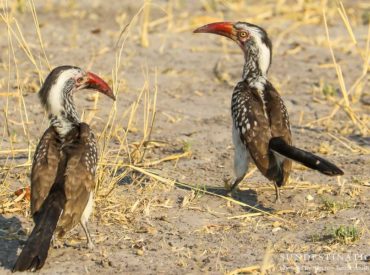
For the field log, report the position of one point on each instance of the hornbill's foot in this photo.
(230, 186)
(234, 187)
(90, 245)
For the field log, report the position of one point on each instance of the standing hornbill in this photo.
(64, 164)
(261, 127)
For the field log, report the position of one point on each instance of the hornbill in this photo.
(64, 164)
(261, 128)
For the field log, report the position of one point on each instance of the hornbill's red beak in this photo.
(221, 28)
(96, 83)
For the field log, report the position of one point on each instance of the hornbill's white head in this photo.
(252, 39)
(56, 94)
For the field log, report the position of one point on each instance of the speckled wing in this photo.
(253, 125)
(256, 115)
(278, 114)
(280, 127)
(44, 168)
(79, 176)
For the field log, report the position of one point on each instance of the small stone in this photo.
(276, 229)
(309, 197)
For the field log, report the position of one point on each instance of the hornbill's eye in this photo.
(243, 34)
(79, 80)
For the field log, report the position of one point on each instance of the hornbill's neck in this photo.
(64, 120)
(257, 62)
(252, 70)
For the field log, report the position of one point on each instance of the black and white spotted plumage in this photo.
(261, 129)
(259, 115)
(64, 166)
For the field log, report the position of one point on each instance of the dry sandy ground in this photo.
(147, 227)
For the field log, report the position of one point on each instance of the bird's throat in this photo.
(66, 118)
(253, 75)
(257, 62)
(62, 125)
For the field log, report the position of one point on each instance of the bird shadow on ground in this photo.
(9, 242)
(248, 197)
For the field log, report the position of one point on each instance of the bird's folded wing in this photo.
(277, 113)
(44, 168)
(252, 121)
(79, 177)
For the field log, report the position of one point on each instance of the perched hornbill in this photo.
(261, 127)
(63, 168)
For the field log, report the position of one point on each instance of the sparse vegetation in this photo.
(334, 206)
(329, 91)
(344, 234)
(186, 146)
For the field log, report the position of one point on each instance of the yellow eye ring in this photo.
(243, 34)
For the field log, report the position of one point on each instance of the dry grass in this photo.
(125, 140)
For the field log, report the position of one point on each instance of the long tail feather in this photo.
(306, 158)
(35, 251)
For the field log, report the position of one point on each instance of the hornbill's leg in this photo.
(90, 243)
(241, 159)
(277, 193)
